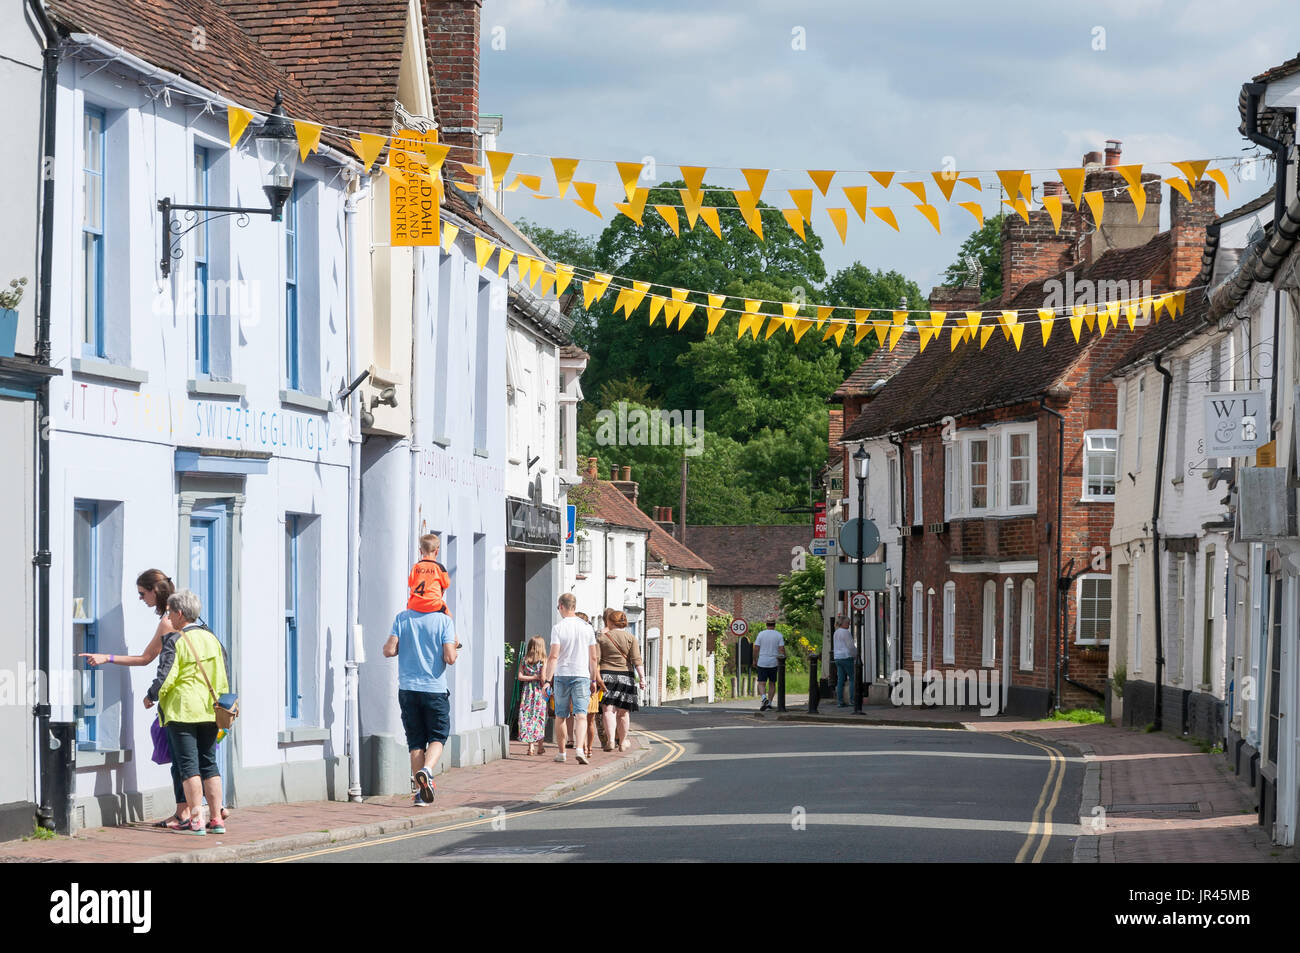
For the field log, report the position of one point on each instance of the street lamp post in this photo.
(861, 466)
(277, 152)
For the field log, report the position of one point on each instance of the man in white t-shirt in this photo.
(842, 646)
(574, 667)
(769, 647)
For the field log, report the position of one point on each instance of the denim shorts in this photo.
(572, 695)
(194, 749)
(426, 717)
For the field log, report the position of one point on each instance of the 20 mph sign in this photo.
(859, 602)
(739, 626)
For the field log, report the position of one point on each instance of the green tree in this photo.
(799, 594)
(985, 246)
(572, 248)
(858, 286)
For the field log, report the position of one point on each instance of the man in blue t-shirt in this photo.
(424, 644)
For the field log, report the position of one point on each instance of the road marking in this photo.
(1055, 770)
(921, 753)
(674, 752)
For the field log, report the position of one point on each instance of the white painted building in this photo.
(193, 428)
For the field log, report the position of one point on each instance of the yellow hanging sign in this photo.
(414, 214)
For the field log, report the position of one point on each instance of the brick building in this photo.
(1001, 465)
(748, 562)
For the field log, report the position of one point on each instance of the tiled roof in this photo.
(942, 382)
(605, 501)
(1253, 205)
(573, 352)
(347, 52)
(1282, 69)
(881, 365)
(1166, 333)
(748, 555)
(228, 62)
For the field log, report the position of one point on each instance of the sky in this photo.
(861, 85)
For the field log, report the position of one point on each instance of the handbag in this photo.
(162, 749)
(224, 708)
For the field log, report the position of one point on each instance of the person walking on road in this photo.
(572, 666)
(770, 648)
(424, 644)
(619, 655)
(842, 646)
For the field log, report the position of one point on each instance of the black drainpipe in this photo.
(902, 546)
(1055, 571)
(57, 767)
(1254, 93)
(1155, 537)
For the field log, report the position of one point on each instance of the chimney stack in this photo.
(1187, 224)
(1113, 151)
(1092, 161)
(591, 468)
(1120, 226)
(1053, 188)
(664, 517)
(1035, 251)
(453, 30)
(627, 474)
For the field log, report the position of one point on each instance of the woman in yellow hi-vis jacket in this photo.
(196, 678)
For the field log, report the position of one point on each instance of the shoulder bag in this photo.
(224, 708)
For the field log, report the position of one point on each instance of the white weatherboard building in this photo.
(192, 430)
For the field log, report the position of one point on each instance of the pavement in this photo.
(262, 831)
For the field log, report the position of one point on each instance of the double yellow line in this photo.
(1041, 822)
(673, 752)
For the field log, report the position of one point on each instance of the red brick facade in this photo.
(454, 63)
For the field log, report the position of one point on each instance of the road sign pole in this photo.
(857, 614)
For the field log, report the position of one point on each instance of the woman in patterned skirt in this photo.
(532, 703)
(619, 656)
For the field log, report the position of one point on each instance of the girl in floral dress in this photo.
(532, 704)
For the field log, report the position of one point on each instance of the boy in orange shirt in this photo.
(428, 580)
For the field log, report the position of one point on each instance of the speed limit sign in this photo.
(739, 626)
(859, 602)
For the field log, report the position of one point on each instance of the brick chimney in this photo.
(664, 517)
(592, 471)
(625, 485)
(960, 298)
(1034, 251)
(1187, 224)
(453, 30)
(1120, 227)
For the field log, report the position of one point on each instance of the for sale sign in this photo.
(1235, 423)
(819, 521)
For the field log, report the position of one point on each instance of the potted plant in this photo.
(9, 299)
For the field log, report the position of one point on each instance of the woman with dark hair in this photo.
(619, 655)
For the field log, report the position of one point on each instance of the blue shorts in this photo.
(426, 717)
(572, 695)
(767, 674)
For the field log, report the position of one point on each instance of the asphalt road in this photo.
(723, 786)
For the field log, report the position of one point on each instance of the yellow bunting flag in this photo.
(693, 176)
(504, 257)
(1097, 202)
(629, 173)
(789, 309)
(836, 331)
(1138, 194)
(821, 178)
(564, 171)
(672, 308)
(1131, 311)
(620, 303)
(548, 281)
(465, 186)
(398, 177)
(755, 179)
(563, 276)
(1112, 315)
(863, 325)
(1011, 180)
(237, 120)
(956, 336)
(1008, 320)
(794, 218)
(886, 215)
(593, 289)
(857, 196)
(823, 312)
(368, 148)
(802, 199)
(710, 216)
(986, 332)
(684, 311)
(840, 219)
(1132, 174)
(449, 233)
(498, 164)
(1046, 318)
(1053, 205)
(931, 214)
(634, 208)
(916, 188)
(799, 328)
(475, 170)
(715, 311)
(947, 181)
(1218, 176)
(1159, 303)
(656, 305)
(1179, 300)
(531, 182)
(973, 181)
(883, 178)
(772, 324)
(926, 333)
(586, 197)
(436, 153)
(482, 251)
(669, 215)
(1181, 185)
(526, 265)
(676, 307)
(975, 209)
(1076, 319)
(692, 205)
(1073, 180)
(752, 320)
(973, 319)
(635, 297)
(1019, 205)
(1017, 332)
(1193, 169)
(308, 137)
(749, 211)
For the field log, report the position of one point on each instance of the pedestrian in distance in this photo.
(620, 655)
(424, 644)
(770, 648)
(842, 646)
(572, 667)
(186, 698)
(532, 701)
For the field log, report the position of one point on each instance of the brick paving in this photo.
(253, 831)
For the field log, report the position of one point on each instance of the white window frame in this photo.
(895, 516)
(949, 622)
(1027, 625)
(1008, 616)
(1078, 602)
(918, 621)
(584, 557)
(629, 550)
(1135, 602)
(1137, 424)
(969, 455)
(951, 483)
(918, 507)
(1088, 436)
(1031, 498)
(989, 642)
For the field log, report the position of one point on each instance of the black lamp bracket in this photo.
(176, 227)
